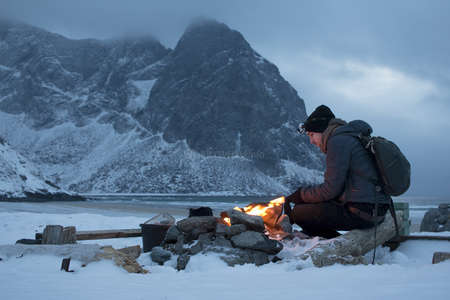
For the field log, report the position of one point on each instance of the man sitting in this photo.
(350, 196)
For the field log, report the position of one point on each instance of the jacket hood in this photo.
(356, 126)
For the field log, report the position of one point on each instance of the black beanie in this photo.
(318, 120)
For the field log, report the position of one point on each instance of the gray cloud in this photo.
(386, 62)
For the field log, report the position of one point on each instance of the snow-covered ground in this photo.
(406, 273)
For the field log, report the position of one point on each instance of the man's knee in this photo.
(305, 213)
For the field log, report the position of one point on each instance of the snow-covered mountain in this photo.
(20, 179)
(130, 115)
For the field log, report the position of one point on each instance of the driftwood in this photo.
(350, 247)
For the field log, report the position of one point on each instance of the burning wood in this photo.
(271, 214)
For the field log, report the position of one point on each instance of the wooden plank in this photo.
(65, 264)
(424, 237)
(440, 256)
(108, 234)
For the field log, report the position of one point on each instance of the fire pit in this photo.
(240, 235)
(276, 224)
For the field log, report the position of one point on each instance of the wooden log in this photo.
(101, 234)
(440, 256)
(52, 234)
(68, 235)
(108, 234)
(57, 235)
(351, 246)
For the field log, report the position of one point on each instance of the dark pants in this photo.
(325, 218)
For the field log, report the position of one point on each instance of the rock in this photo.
(237, 229)
(260, 258)
(182, 261)
(133, 251)
(172, 234)
(221, 241)
(202, 224)
(442, 219)
(206, 238)
(194, 234)
(222, 229)
(240, 257)
(285, 224)
(256, 241)
(436, 219)
(254, 223)
(197, 248)
(179, 246)
(159, 255)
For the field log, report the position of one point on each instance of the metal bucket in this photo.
(152, 235)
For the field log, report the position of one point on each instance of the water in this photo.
(226, 202)
(179, 201)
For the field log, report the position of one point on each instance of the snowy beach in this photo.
(406, 273)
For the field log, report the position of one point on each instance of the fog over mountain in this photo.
(130, 115)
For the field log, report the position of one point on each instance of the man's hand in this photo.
(288, 211)
(295, 197)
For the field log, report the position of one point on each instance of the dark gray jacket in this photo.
(350, 171)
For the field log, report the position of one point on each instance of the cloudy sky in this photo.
(386, 62)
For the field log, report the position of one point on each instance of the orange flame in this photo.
(227, 221)
(268, 211)
(261, 209)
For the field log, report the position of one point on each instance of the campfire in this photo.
(271, 213)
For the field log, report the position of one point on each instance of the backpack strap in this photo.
(394, 216)
(375, 233)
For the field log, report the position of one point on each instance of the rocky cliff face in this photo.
(130, 115)
(20, 179)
